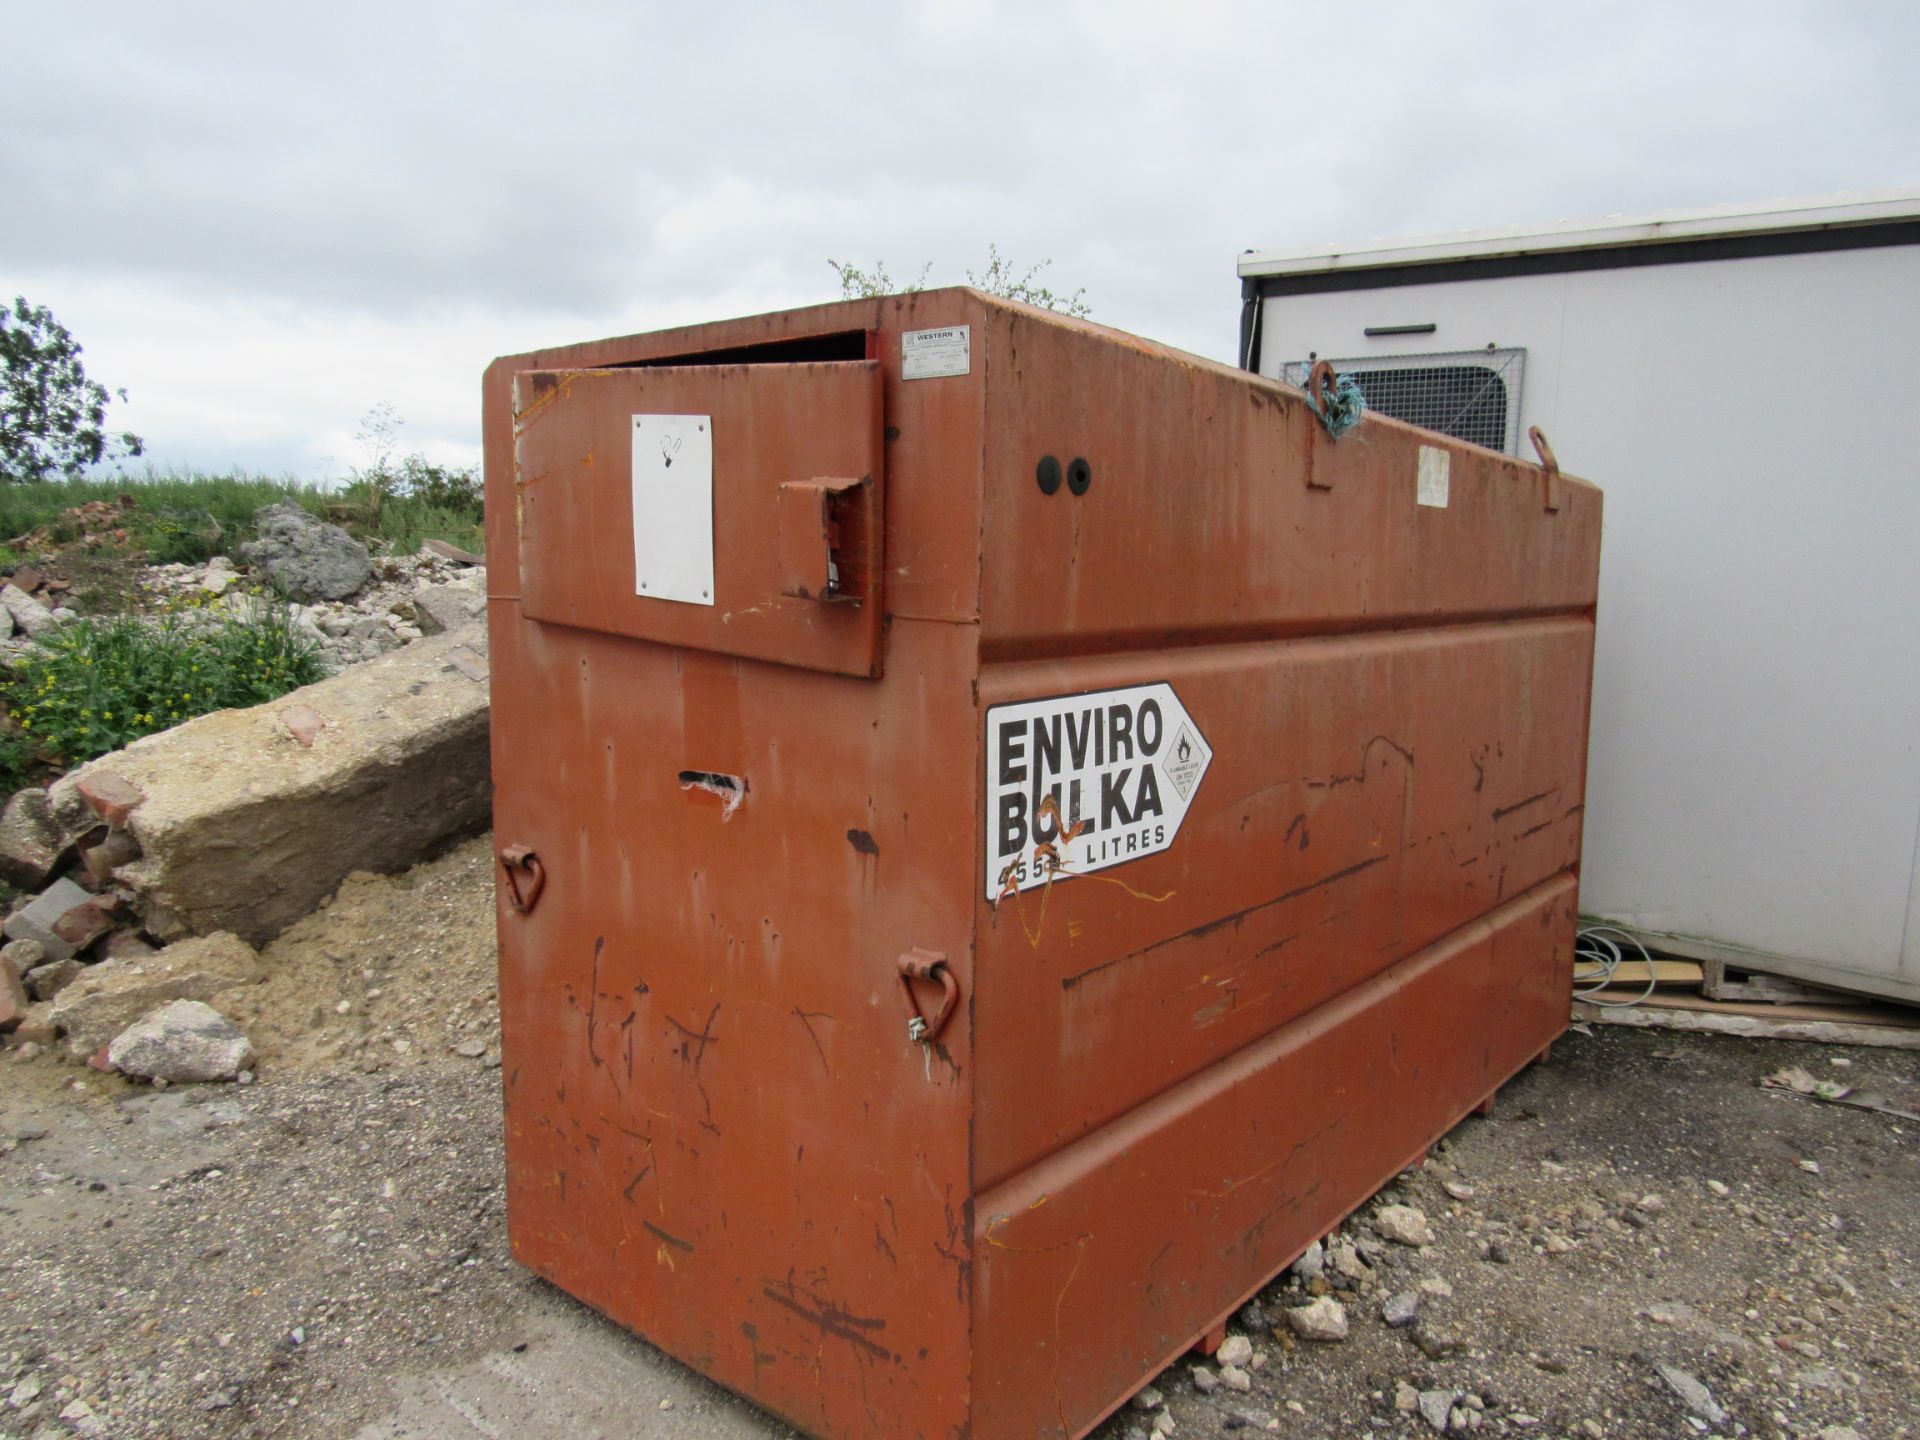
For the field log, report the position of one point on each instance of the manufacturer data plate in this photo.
(929, 354)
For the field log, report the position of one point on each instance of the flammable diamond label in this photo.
(1079, 783)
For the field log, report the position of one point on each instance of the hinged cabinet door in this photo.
(734, 508)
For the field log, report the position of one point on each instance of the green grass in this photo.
(19, 761)
(96, 685)
(109, 679)
(190, 517)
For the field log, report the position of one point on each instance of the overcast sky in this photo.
(264, 219)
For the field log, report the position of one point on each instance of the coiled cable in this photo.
(1597, 957)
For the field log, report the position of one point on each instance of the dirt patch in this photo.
(1637, 1203)
(394, 972)
(325, 1249)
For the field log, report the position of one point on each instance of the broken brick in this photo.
(303, 722)
(112, 798)
(84, 924)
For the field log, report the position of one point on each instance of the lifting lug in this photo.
(516, 861)
(1548, 464)
(926, 965)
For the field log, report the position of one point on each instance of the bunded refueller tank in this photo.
(1007, 834)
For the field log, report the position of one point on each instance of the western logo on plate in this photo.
(1079, 783)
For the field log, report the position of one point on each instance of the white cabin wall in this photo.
(1754, 778)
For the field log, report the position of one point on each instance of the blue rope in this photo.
(1344, 405)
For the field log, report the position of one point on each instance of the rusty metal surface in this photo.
(772, 425)
(1141, 1085)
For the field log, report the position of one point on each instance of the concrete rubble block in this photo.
(1344, 1259)
(306, 558)
(183, 1042)
(46, 981)
(35, 1030)
(113, 994)
(1234, 1350)
(1402, 1224)
(441, 608)
(25, 955)
(243, 828)
(13, 996)
(36, 922)
(448, 551)
(125, 945)
(1324, 1320)
(33, 619)
(32, 844)
(106, 851)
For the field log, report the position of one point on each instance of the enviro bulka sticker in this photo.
(1078, 783)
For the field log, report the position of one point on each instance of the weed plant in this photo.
(96, 685)
(18, 762)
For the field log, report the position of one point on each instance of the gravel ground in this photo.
(323, 1253)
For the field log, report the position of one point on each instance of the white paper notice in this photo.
(673, 508)
(929, 354)
(1435, 467)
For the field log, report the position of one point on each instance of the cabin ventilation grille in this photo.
(1472, 395)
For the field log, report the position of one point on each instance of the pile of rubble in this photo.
(32, 605)
(147, 878)
(96, 525)
(356, 610)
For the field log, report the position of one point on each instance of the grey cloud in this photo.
(581, 164)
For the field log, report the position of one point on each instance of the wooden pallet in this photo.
(1891, 1026)
(1723, 981)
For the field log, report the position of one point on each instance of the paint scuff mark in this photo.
(1359, 777)
(1046, 860)
(693, 1052)
(831, 1318)
(685, 1246)
(1506, 810)
(760, 1357)
(806, 1019)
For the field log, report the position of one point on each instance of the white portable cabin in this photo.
(1744, 384)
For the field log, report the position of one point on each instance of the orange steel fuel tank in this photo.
(1007, 833)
